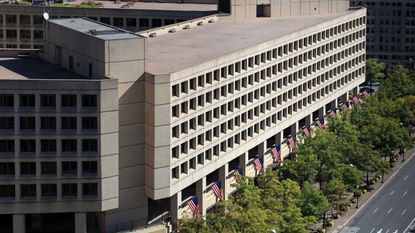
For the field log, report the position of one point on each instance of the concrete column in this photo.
(223, 173)
(345, 97)
(201, 195)
(294, 129)
(243, 161)
(308, 119)
(175, 202)
(80, 222)
(355, 91)
(261, 151)
(19, 223)
(322, 111)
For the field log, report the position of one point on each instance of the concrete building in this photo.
(21, 27)
(279, 8)
(390, 31)
(167, 112)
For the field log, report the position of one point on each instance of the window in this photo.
(27, 123)
(37, 34)
(89, 123)
(6, 123)
(28, 190)
(48, 190)
(70, 62)
(89, 189)
(69, 190)
(27, 101)
(68, 101)
(25, 19)
(89, 145)
(28, 168)
(89, 101)
(89, 167)
(47, 101)
(27, 146)
(144, 22)
(156, 23)
(48, 168)
(7, 169)
(11, 34)
(69, 168)
(48, 123)
(131, 22)
(48, 145)
(6, 146)
(118, 22)
(175, 173)
(25, 34)
(69, 145)
(37, 19)
(68, 123)
(6, 101)
(7, 191)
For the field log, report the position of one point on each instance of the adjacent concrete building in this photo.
(167, 112)
(390, 31)
(21, 27)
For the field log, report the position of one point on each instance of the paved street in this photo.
(392, 209)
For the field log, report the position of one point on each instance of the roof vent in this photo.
(200, 23)
(186, 27)
(211, 21)
(173, 30)
(153, 34)
(93, 31)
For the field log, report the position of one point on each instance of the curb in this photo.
(340, 227)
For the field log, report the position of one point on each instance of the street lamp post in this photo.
(401, 150)
(357, 196)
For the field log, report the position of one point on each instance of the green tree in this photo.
(312, 202)
(375, 70)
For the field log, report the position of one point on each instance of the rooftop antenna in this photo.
(45, 13)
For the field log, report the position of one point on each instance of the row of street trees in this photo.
(337, 162)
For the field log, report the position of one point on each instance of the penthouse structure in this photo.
(138, 124)
(390, 31)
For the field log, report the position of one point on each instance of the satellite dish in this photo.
(45, 16)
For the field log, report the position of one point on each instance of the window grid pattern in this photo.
(286, 79)
(36, 131)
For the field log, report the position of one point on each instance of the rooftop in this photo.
(173, 52)
(154, 5)
(32, 68)
(95, 29)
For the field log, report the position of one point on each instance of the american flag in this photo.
(333, 113)
(306, 131)
(194, 205)
(258, 162)
(320, 122)
(291, 143)
(348, 105)
(365, 93)
(356, 99)
(237, 174)
(217, 190)
(276, 152)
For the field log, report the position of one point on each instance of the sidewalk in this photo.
(339, 223)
